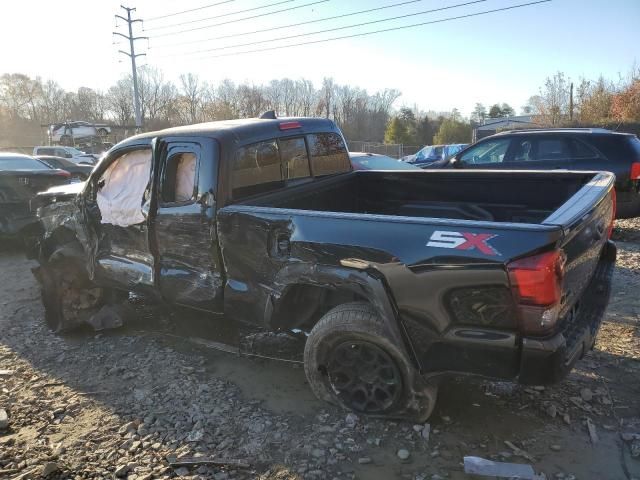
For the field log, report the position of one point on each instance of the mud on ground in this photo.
(119, 404)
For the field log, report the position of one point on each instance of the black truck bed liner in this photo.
(525, 198)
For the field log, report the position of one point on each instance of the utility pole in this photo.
(571, 102)
(132, 55)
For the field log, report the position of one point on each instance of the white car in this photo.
(65, 133)
(70, 153)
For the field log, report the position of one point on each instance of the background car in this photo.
(373, 161)
(21, 178)
(68, 132)
(433, 153)
(561, 149)
(70, 153)
(78, 172)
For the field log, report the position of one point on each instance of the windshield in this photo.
(380, 163)
(431, 153)
(22, 163)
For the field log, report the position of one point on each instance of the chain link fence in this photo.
(395, 150)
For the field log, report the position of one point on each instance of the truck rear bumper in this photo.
(545, 361)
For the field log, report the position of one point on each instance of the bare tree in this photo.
(307, 97)
(19, 95)
(190, 93)
(553, 102)
(120, 101)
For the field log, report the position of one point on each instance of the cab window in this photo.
(256, 169)
(179, 179)
(328, 154)
(295, 160)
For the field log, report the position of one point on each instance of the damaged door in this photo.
(188, 264)
(123, 255)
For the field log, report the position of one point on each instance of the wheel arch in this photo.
(62, 242)
(312, 290)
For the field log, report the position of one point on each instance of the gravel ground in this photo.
(126, 403)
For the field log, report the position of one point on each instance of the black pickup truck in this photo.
(397, 277)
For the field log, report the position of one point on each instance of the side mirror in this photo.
(68, 155)
(456, 162)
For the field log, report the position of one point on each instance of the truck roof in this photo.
(242, 130)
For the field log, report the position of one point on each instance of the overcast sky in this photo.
(498, 57)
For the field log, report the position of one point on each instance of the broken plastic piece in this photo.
(488, 468)
(108, 317)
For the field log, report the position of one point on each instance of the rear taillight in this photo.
(536, 283)
(613, 211)
(635, 171)
(63, 173)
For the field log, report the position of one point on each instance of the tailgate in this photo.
(586, 219)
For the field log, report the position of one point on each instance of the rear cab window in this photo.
(270, 165)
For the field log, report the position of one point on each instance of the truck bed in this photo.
(453, 195)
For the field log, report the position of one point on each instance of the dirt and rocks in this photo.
(157, 399)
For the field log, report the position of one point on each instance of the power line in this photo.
(291, 25)
(220, 16)
(190, 10)
(459, 17)
(241, 19)
(258, 42)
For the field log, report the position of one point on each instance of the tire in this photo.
(102, 132)
(68, 296)
(351, 362)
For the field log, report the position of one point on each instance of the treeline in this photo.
(27, 103)
(560, 102)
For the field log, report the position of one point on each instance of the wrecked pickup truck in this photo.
(397, 277)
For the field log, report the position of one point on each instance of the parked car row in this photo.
(22, 177)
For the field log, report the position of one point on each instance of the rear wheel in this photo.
(103, 132)
(350, 361)
(69, 297)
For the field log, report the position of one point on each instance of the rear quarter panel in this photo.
(416, 272)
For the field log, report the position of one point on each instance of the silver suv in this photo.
(70, 153)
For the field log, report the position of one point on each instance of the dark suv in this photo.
(559, 149)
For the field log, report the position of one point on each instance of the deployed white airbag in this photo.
(185, 177)
(120, 198)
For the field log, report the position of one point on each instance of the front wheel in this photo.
(69, 297)
(350, 361)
